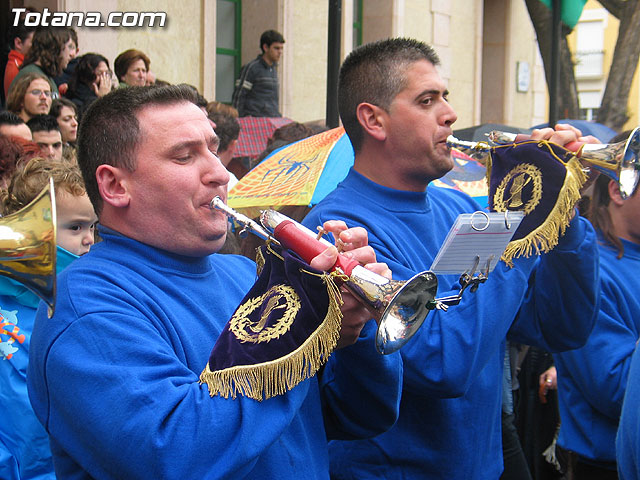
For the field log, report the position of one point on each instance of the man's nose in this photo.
(215, 172)
(449, 116)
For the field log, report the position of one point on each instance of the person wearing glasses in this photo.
(30, 96)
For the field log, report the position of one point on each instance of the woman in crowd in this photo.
(91, 79)
(131, 68)
(64, 111)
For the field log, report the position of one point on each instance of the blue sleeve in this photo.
(130, 409)
(600, 369)
(8, 464)
(449, 350)
(628, 436)
(561, 305)
(447, 353)
(356, 373)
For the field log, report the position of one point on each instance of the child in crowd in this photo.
(24, 444)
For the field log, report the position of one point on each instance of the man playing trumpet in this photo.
(394, 107)
(114, 374)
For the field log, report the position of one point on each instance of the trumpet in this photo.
(28, 246)
(619, 161)
(399, 307)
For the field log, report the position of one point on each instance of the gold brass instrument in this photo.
(399, 307)
(619, 161)
(28, 246)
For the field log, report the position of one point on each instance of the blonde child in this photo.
(24, 444)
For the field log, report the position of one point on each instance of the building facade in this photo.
(488, 48)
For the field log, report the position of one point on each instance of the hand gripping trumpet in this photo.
(619, 161)
(399, 307)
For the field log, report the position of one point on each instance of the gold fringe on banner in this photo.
(269, 379)
(545, 237)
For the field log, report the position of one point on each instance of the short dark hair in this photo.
(46, 48)
(227, 129)
(20, 31)
(375, 73)
(10, 118)
(126, 58)
(201, 101)
(109, 132)
(269, 37)
(43, 123)
(58, 103)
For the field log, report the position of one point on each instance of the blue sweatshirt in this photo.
(450, 414)
(24, 444)
(628, 438)
(113, 376)
(592, 379)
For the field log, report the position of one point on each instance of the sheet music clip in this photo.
(475, 239)
(467, 280)
(478, 238)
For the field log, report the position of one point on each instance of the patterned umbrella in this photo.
(304, 172)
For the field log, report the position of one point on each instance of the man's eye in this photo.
(75, 228)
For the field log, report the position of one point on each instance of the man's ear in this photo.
(232, 145)
(614, 193)
(372, 119)
(112, 184)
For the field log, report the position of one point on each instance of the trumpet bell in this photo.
(28, 246)
(398, 307)
(406, 311)
(619, 161)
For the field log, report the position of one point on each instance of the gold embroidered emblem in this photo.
(509, 194)
(279, 298)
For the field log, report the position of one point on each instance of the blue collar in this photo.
(22, 294)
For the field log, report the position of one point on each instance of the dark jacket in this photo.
(256, 92)
(83, 96)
